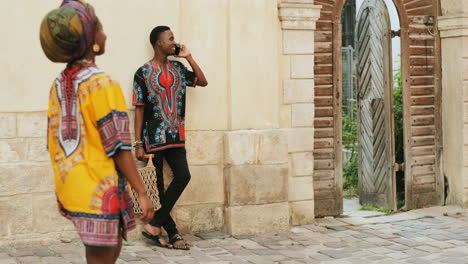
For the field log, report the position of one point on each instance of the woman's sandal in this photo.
(155, 239)
(176, 238)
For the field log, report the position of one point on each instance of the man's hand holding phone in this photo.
(182, 51)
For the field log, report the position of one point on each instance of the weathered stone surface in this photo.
(298, 14)
(8, 153)
(26, 178)
(285, 116)
(4, 220)
(273, 147)
(256, 184)
(303, 115)
(298, 2)
(251, 219)
(301, 188)
(465, 92)
(214, 235)
(136, 233)
(23, 149)
(53, 260)
(241, 147)
(428, 249)
(45, 215)
(32, 124)
(168, 175)
(205, 147)
(307, 244)
(131, 117)
(7, 125)
(465, 193)
(302, 212)
(15, 215)
(8, 261)
(302, 66)
(336, 254)
(199, 218)
(452, 27)
(465, 134)
(28, 260)
(37, 149)
(129, 258)
(298, 42)
(302, 163)
(298, 91)
(300, 140)
(206, 186)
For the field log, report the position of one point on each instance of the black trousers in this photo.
(177, 160)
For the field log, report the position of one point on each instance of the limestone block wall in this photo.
(256, 175)
(28, 210)
(201, 206)
(250, 132)
(453, 26)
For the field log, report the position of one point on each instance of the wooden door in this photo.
(375, 107)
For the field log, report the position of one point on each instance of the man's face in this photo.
(167, 42)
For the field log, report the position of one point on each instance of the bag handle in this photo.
(150, 160)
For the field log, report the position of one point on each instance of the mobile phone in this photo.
(177, 50)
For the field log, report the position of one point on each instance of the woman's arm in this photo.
(124, 161)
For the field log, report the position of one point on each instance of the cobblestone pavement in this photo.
(403, 238)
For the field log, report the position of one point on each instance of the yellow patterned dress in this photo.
(87, 125)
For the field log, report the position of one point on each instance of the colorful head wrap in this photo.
(68, 31)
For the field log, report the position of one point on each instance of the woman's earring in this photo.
(96, 48)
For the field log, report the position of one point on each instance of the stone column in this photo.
(453, 28)
(298, 19)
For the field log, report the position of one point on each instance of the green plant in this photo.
(350, 192)
(398, 114)
(350, 171)
(368, 207)
(399, 136)
(401, 200)
(425, 217)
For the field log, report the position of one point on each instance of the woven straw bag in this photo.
(148, 176)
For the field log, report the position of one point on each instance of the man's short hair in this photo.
(156, 32)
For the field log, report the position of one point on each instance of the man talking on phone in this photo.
(159, 92)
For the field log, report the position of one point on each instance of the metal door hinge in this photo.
(399, 167)
(396, 33)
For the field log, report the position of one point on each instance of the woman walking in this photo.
(88, 135)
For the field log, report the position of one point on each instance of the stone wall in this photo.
(454, 33)
(243, 182)
(201, 206)
(250, 132)
(28, 210)
(256, 174)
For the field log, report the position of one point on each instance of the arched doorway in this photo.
(421, 86)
